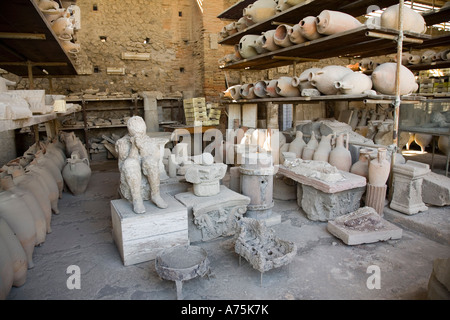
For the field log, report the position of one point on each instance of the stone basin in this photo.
(181, 263)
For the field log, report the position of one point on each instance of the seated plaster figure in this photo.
(139, 154)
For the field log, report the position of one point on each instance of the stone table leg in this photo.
(179, 285)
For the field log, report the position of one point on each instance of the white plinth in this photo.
(140, 237)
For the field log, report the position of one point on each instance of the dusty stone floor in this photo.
(324, 267)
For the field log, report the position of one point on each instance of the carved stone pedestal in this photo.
(407, 196)
(214, 216)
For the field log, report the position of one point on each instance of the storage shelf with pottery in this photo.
(348, 97)
(294, 14)
(364, 41)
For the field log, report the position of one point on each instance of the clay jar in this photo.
(361, 167)
(18, 216)
(297, 145)
(324, 79)
(323, 150)
(260, 10)
(285, 88)
(302, 81)
(268, 41)
(379, 169)
(331, 22)
(241, 24)
(246, 46)
(28, 182)
(6, 271)
(16, 253)
(354, 83)
(48, 5)
(47, 181)
(259, 89)
(423, 140)
(295, 36)
(412, 20)
(443, 144)
(70, 47)
(258, 45)
(281, 36)
(383, 78)
(271, 88)
(234, 92)
(247, 91)
(310, 148)
(32, 204)
(63, 28)
(308, 28)
(77, 174)
(340, 156)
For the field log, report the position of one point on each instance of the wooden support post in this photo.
(30, 75)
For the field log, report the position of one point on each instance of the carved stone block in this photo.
(214, 216)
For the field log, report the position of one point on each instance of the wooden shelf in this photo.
(294, 14)
(426, 66)
(27, 37)
(437, 16)
(438, 41)
(235, 11)
(358, 42)
(103, 99)
(351, 97)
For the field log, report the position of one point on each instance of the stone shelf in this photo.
(364, 41)
(6, 125)
(296, 13)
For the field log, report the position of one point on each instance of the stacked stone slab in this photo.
(436, 189)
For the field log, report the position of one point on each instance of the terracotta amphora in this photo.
(271, 88)
(63, 28)
(16, 253)
(297, 145)
(443, 144)
(310, 148)
(49, 163)
(281, 36)
(70, 47)
(259, 88)
(423, 140)
(295, 36)
(18, 216)
(32, 204)
(361, 167)
(47, 181)
(302, 81)
(241, 24)
(308, 28)
(285, 88)
(6, 270)
(379, 169)
(293, 2)
(260, 10)
(324, 79)
(383, 79)
(48, 5)
(330, 22)
(323, 150)
(340, 156)
(259, 45)
(269, 42)
(354, 83)
(246, 46)
(247, 91)
(77, 174)
(30, 183)
(412, 20)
